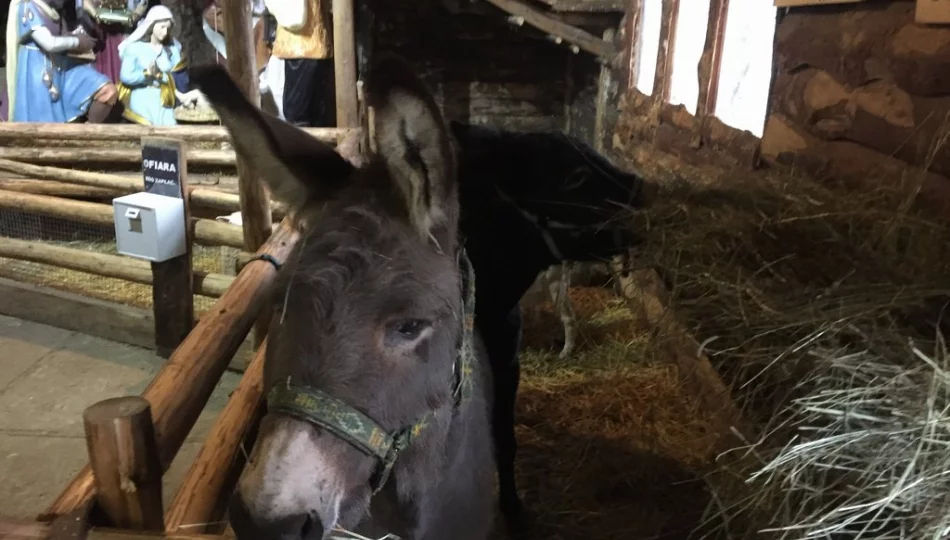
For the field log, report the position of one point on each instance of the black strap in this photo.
(267, 257)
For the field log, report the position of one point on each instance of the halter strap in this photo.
(345, 422)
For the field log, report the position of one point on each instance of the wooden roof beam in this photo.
(557, 29)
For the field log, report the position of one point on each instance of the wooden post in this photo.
(634, 31)
(711, 60)
(124, 458)
(344, 64)
(255, 201)
(603, 94)
(255, 206)
(664, 61)
(165, 171)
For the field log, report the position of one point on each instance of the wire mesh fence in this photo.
(97, 238)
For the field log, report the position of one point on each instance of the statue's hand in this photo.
(86, 42)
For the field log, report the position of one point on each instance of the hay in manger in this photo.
(821, 306)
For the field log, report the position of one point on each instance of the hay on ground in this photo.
(801, 294)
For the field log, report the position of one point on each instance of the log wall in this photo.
(485, 70)
(860, 93)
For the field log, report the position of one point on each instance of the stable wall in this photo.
(860, 93)
(486, 71)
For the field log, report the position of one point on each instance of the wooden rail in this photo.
(30, 131)
(207, 232)
(73, 155)
(180, 390)
(211, 198)
(561, 31)
(202, 490)
(105, 265)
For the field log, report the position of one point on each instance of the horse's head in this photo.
(568, 192)
(363, 345)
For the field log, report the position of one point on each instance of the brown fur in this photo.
(377, 253)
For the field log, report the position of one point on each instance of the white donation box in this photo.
(150, 226)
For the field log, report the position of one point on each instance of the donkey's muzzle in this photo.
(249, 527)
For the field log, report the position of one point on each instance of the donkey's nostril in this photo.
(248, 526)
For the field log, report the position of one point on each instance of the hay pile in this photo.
(815, 302)
(611, 445)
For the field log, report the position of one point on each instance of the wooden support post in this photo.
(201, 492)
(344, 64)
(603, 94)
(165, 171)
(180, 390)
(255, 201)
(123, 455)
(664, 60)
(633, 33)
(711, 60)
(255, 208)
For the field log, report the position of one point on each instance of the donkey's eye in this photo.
(410, 329)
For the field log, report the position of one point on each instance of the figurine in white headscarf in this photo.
(149, 57)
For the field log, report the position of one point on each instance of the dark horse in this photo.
(529, 201)
(377, 406)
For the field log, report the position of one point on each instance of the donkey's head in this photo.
(368, 313)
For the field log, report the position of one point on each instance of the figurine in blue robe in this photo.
(50, 76)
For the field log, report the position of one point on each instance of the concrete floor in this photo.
(47, 377)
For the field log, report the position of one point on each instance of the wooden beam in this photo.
(108, 320)
(123, 455)
(33, 132)
(632, 41)
(603, 94)
(206, 231)
(664, 61)
(102, 264)
(53, 188)
(584, 40)
(710, 63)
(582, 6)
(211, 198)
(179, 391)
(255, 206)
(204, 486)
(344, 64)
(69, 155)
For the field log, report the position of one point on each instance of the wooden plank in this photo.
(932, 12)
(344, 63)
(206, 231)
(586, 5)
(584, 40)
(102, 264)
(120, 439)
(173, 300)
(180, 390)
(711, 60)
(203, 488)
(32, 131)
(632, 40)
(218, 158)
(600, 107)
(794, 3)
(53, 188)
(107, 320)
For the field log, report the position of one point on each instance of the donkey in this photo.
(530, 201)
(377, 407)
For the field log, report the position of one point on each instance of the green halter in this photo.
(323, 410)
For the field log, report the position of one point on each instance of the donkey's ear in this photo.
(413, 141)
(295, 166)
